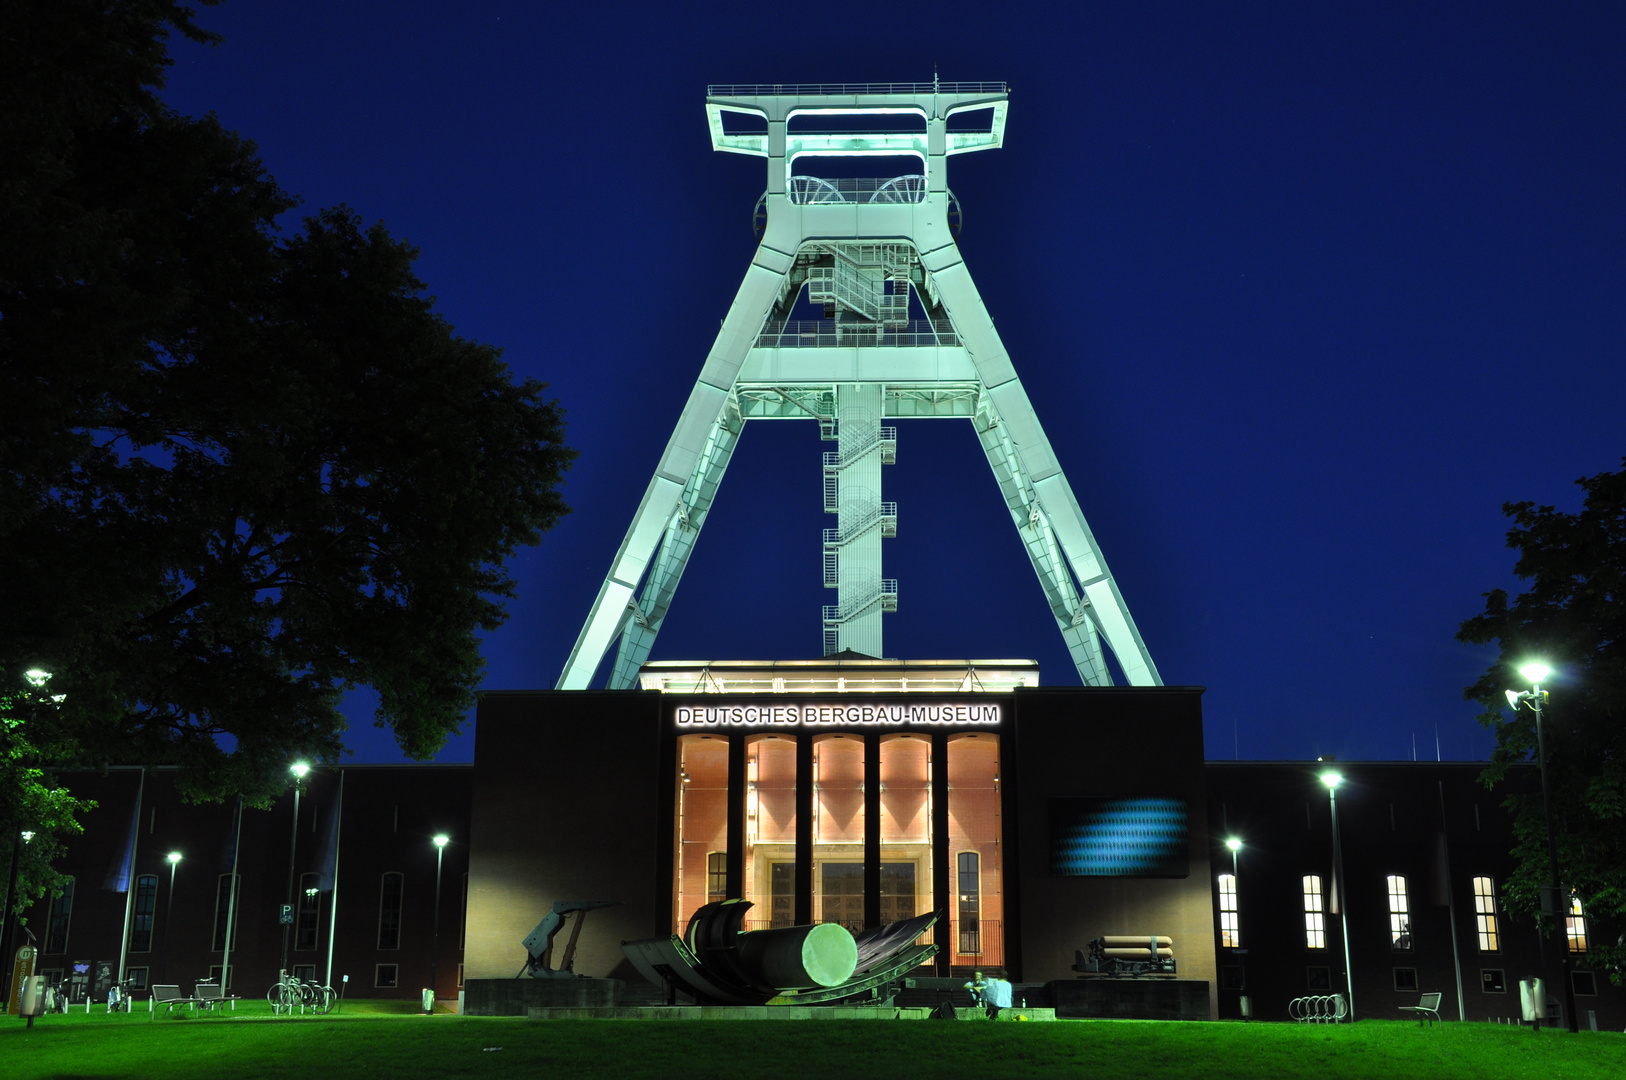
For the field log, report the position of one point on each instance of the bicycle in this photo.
(316, 997)
(285, 995)
(291, 993)
(56, 997)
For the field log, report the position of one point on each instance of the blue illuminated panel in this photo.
(1118, 838)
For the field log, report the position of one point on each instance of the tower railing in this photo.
(885, 434)
(819, 89)
(817, 190)
(884, 514)
(828, 334)
(886, 595)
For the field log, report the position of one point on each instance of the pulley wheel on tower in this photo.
(901, 189)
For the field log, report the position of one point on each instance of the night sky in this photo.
(1302, 294)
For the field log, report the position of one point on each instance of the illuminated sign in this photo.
(1118, 838)
(808, 714)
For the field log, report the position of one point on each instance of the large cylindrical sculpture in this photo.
(797, 957)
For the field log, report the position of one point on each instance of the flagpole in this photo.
(1451, 907)
(129, 884)
(231, 898)
(333, 912)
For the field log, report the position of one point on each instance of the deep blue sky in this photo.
(1302, 292)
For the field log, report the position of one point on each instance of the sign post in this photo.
(22, 969)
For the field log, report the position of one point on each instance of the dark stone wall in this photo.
(1108, 742)
(567, 806)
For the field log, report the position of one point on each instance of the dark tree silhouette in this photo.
(1573, 617)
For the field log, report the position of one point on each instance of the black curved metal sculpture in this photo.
(716, 962)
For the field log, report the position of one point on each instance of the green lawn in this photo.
(386, 1039)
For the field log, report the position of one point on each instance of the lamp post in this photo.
(441, 840)
(1244, 1000)
(174, 858)
(1332, 778)
(1553, 894)
(299, 769)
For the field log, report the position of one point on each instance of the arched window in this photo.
(1575, 926)
(1399, 913)
(146, 900)
(1230, 928)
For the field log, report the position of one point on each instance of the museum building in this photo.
(1032, 819)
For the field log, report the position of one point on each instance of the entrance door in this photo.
(897, 891)
(843, 894)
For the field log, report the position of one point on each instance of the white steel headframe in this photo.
(863, 248)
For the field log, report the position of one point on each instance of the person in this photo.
(978, 986)
(990, 995)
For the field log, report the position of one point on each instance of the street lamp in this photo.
(174, 858)
(1551, 895)
(441, 840)
(300, 769)
(1244, 1001)
(1332, 778)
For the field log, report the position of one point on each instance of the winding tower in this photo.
(903, 334)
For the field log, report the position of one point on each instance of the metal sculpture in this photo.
(717, 963)
(539, 942)
(1128, 954)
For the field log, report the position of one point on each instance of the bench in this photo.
(168, 996)
(209, 994)
(1426, 1009)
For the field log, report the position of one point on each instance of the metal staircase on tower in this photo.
(901, 333)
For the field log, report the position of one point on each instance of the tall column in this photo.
(872, 829)
(942, 870)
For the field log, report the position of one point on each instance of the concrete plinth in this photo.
(516, 997)
(732, 1012)
(1130, 999)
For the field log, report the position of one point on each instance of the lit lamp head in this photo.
(442, 840)
(1332, 779)
(37, 677)
(1234, 844)
(28, 836)
(1535, 671)
(300, 769)
(173, 857)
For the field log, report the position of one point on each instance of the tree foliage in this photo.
(1572, 617)
(239, 473)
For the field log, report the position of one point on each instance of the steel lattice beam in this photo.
(857, 246)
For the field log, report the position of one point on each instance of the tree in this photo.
(1573, 616)
(239, 474)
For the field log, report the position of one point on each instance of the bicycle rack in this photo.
(1318, 1009)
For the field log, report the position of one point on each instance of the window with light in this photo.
(1575, 926)
(1399, 913)
(1315, 919)
(1490, 939)
(1230, 930)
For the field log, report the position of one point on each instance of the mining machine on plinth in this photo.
(873, 253)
